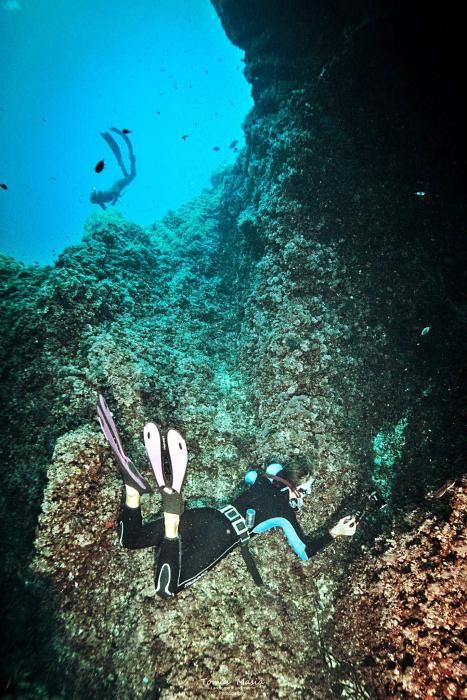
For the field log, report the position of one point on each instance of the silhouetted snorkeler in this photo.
(192, 541)
(112, 195)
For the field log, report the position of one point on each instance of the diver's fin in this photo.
(152, 441)
(132, 174)
(109, 139)
(178, 457)
(131, 475)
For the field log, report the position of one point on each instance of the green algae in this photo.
(387, 449)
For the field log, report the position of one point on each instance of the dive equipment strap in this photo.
(251, 564)
(290, 486)
(239, 525)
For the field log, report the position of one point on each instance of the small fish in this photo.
(447, 486)
(126, 131)
(233, 144)
(3, 186)
(216, 148)
(184, 137)
(425, 330)
(99, 166)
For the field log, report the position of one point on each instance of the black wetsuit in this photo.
(206, 535)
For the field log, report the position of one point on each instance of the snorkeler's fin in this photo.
(174, 458)
(109, 139)
(131, 475)
(178, 458)
(152, 441)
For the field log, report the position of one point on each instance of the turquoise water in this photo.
(165, 70)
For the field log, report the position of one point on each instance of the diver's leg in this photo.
(132, 497)
(172, 501)
(131, 154)
(171, 523)
(133, 534)
(116, 150)
(170, 556)
(168, 567)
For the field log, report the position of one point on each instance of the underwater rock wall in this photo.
(353, 182)
(309, 310)
(410, 592)
(140, 316)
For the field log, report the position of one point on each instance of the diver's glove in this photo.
(346, 526)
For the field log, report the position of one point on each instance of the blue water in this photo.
(69, 70)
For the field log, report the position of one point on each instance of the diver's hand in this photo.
(346, 526)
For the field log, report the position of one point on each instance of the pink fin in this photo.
(152, 441)
(178, 458)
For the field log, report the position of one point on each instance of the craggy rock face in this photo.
(410, 592)
(284, 316)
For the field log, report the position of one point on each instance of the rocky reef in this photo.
(309, 308)
(409, 590)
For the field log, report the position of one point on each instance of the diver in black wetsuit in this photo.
(191, 542)
(112, 195)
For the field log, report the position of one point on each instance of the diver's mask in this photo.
(303, 490)
(297, 494)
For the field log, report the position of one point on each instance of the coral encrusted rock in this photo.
(401, 622)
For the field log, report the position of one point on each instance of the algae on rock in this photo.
(277, 315)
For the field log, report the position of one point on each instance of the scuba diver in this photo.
(192, 541)
(111, 195)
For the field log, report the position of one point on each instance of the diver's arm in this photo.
(345, 527)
